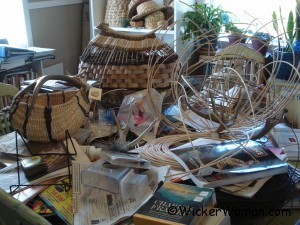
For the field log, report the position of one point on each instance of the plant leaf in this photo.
(290, 28)
(275, 21)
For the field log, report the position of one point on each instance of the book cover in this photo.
(59, 199)
(229, 162)
(175, 203)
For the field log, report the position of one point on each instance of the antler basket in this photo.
(45, 117)
(125, 60)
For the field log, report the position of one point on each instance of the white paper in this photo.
(285, 138)
(96, 206)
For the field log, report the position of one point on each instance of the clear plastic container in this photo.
(115, 179)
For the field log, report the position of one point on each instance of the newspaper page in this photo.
(57, 167)
(96, 206)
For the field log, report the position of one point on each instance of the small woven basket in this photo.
(45, 117)
(122, 60)
(116, 10)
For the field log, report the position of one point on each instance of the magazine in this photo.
(228, 162)
(246, 189)
(59, 198)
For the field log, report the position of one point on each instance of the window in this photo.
(14, 22)
(258, 13)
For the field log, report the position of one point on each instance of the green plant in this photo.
(291, 29)
(233, 29)
(203, 18)
(263, 36)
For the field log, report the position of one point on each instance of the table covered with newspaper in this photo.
(98, 206)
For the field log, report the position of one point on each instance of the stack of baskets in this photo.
(147, 11)
(121, 60)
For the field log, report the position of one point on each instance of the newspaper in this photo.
(288, 139)
(57, 167)
(96, 206)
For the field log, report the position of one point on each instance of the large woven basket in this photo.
(125, 60)
(45, 117)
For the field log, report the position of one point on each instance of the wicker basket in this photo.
(45, 117)
(152, 20)
(122, 60)
(116, 10)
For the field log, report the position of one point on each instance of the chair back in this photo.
(14, 212)
(7, 92)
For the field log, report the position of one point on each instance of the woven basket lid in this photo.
(133, 5)
(145, 9)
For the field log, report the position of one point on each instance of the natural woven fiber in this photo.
(151, 21)
(123, 60)
(116, 10)
(145, 9)
(133, 5)
(45, 117)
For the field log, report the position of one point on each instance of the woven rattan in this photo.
(116, 10)
(45, 117)
(133, 5)
(123, 60)
(145, 9)
(153, 19)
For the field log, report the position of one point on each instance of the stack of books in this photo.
(12, 57)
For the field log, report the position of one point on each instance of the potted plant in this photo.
(204, 23)
(289, 52)
(260, 42)
(236, 35)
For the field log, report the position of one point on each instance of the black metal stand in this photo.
(66, 153)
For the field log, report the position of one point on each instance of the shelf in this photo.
(171, 37)
(140, 30)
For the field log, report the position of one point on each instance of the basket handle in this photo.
(44, 79)
(104, 27)
(37, 84)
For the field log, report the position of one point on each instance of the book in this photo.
(38, 52)
(7, 51)
(59, 199)
(229, 162)
(175, 203)
(17, 58)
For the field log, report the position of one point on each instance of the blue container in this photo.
(283, 70)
